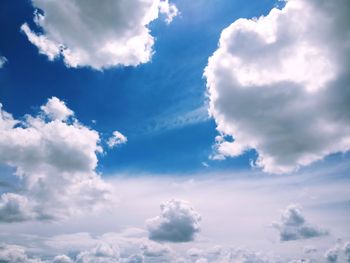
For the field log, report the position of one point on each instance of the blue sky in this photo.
(174, 131)
(144, 102)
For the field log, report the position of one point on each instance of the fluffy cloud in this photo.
(279, 84)
(14, 208)
(347, 251)
(56, 109)
(54, 157)
(108, 253)
(62, 259)
(95, 34)
(230, 255)
(117, 139)
(103, 253)
(3, 60)
(340, 252)
(331, 255)
(293, 225)
(153, 249)
(12, 254)
(178, 222)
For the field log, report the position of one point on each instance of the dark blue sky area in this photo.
(144, 103)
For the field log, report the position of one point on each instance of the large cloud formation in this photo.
(293, 225)
(55, 157)
(97, 34)
(178, 222)
(279, 84)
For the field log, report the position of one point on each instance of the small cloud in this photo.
(346, 249)
(62, 259)
(293, 225)
(178, 222)
(309, 249)
(3, 61)
(103, 252)
(56, 109)
(205, 164)
(117, 139)
(331, 255)
(168, 9)
(14, 208)
(153, 249)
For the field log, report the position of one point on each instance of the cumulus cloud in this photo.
(340, 252)
(279, 84)
(102, 253)
(55, 159)
(117, 139)
(170, 10)
(12, 254)
(331, 255)
(230, 255)
(347, 251)
(293, 225)
(56, 109)
(14, 208)
(3, 61)
(178, 222)
(154, 249)
(95, 34)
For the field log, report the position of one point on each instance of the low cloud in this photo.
(293, 225)
(54, 157)
(101, 253)
(178, 222)
(15, 254)
(331, 255)
(97, 34)
(278, 84)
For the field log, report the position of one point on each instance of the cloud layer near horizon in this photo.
(54, 157)
(279, 84)
(95, 34)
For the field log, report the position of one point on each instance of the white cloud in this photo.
(154, 249)
(170, 10)
(56, 109)
(279, 84)
(236, 215)
(62, 259)
(293, 225)
(15, 254)
(14, 208)
(95, 34)
(3, 61)
(178, 222)
(55, 159)
(45, 46)
(117, 139)
(103, 253)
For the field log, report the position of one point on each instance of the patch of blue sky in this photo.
(160, 106)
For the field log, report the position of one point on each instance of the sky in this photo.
(174, 131)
